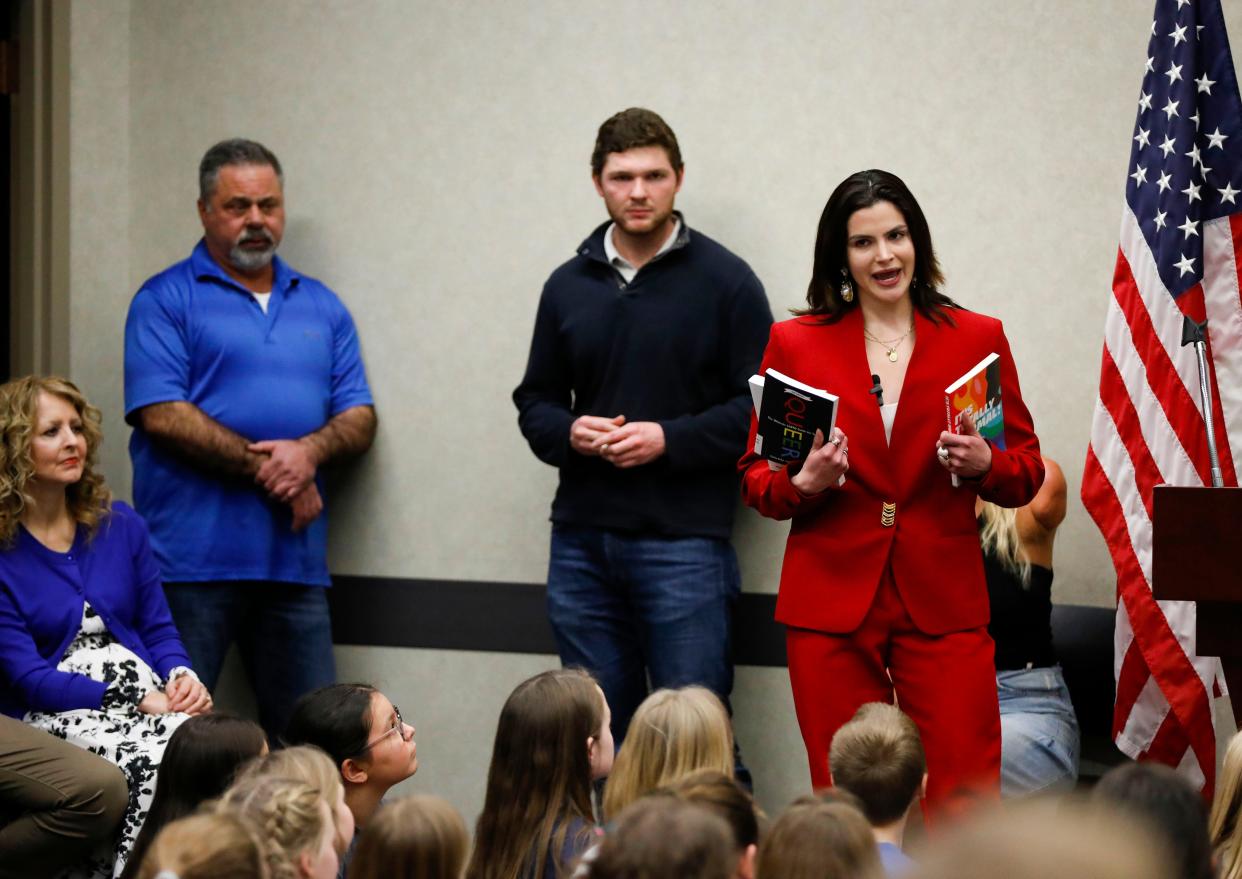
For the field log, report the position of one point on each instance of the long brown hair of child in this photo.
(539, 780)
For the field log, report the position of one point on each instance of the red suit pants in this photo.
(945, 683)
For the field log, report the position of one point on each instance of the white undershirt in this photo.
(888, 412)
(623, 265)
(262, 299)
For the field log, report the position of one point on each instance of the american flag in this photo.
(1181, 236)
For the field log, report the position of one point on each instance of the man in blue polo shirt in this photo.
(242, 378)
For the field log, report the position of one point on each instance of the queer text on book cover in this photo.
(789, 412)
(978, 394)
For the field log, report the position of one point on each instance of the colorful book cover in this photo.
(978, 393)
(789, 412)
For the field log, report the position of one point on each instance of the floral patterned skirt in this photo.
(134, 741)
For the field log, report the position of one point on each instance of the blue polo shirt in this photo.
(195, 335)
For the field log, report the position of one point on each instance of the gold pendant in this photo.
(892, 355)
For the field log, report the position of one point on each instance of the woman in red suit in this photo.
(882, 588)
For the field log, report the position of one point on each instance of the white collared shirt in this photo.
(627, 269)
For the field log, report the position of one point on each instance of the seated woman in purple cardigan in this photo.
(88, 650)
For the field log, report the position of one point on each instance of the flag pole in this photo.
(1194, 334)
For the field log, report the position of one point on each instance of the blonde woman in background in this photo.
(1223, 825)
(293, 819)
(419, 837)
(673, 733)
(88, 649)
(1039, 731)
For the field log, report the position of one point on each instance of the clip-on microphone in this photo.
(877, 389)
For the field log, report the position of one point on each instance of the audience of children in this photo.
(878, 757)
(227, 808)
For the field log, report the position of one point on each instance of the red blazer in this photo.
(838, 546)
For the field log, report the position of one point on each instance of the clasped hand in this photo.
(289, 468)
(288, 476)
(620, 443)
(967, 454)
(183, 693)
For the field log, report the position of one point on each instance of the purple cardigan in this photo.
(41, 598)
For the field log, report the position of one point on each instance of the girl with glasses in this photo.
(365, 736)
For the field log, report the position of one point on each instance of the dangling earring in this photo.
(846, 289)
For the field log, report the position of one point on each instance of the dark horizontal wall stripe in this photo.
(500, 617)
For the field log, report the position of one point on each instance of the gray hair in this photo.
(234, 151)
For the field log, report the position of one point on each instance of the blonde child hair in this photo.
(1223, 825)
(291, 817)
(310, 765)
(303, 763)
(419, 837)
(673, 733)
(211, 846)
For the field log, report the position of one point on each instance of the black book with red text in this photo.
(789, 412)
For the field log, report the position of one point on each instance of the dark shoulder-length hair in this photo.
(336, 719)
(200, 761)
(862, 190)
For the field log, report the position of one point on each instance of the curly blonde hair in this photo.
(89, 499)
(291, 817)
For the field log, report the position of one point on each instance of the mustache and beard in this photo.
(251, 258)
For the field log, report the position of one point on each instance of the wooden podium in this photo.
(1197, 556)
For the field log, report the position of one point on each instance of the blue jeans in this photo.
(1039, 732)
(282, 631)
(625, 606)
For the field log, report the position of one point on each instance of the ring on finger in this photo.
(943, 452)
(604, 447)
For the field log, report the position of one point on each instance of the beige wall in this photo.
(436, 165)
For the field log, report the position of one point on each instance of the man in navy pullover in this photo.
(636, 389)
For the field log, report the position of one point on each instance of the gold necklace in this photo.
(890, 347)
